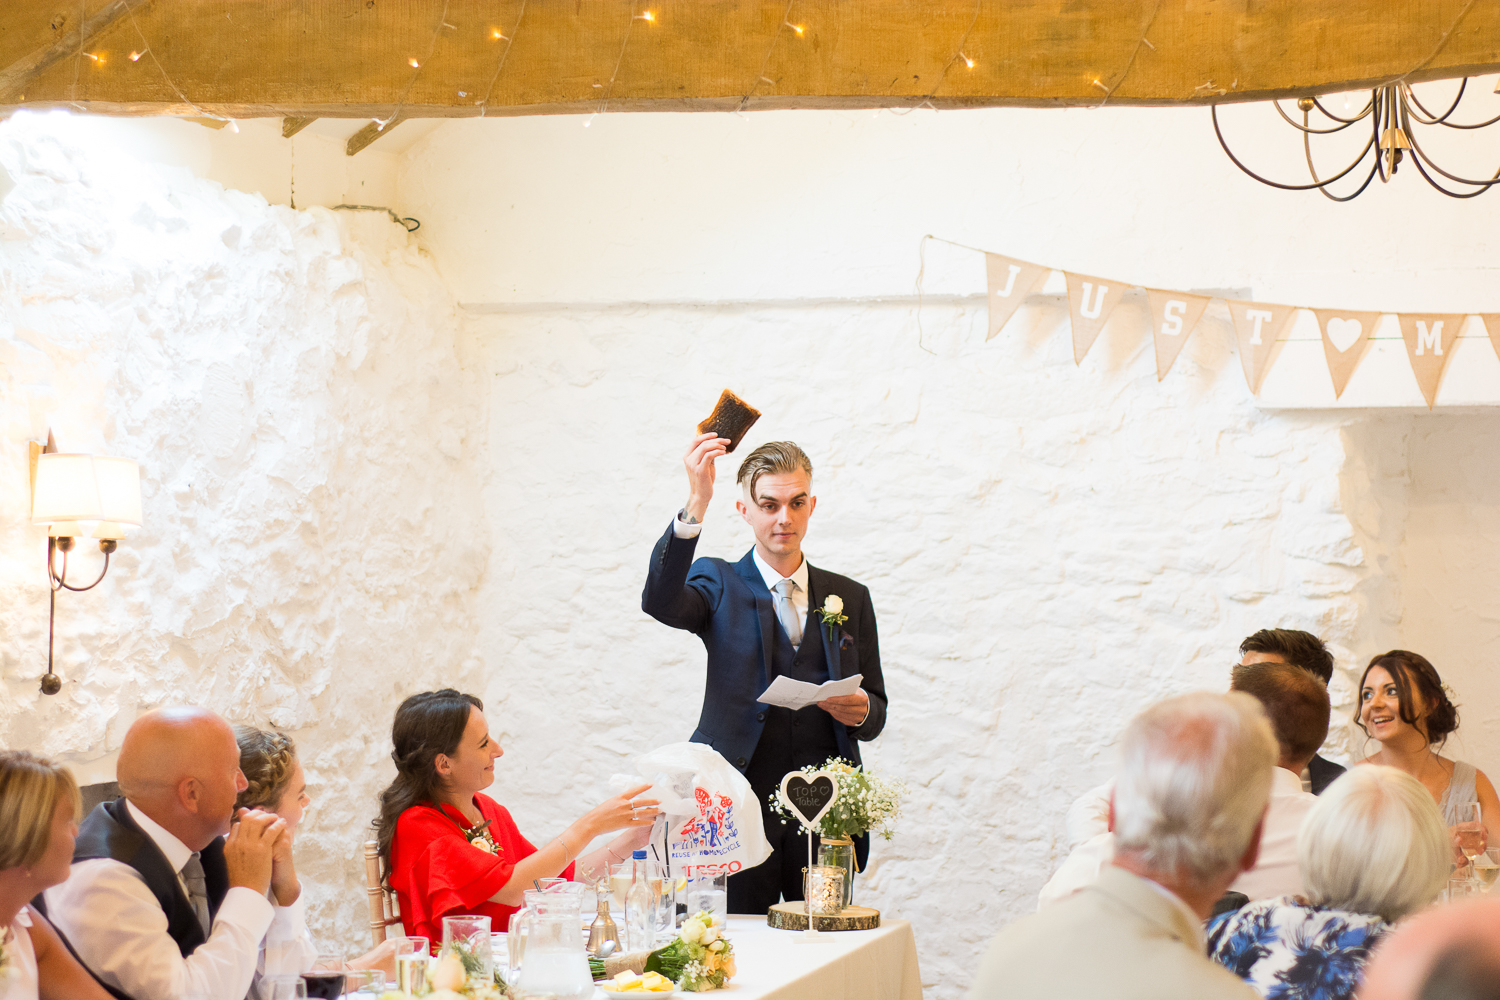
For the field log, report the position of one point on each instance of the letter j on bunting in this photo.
(1010, 282)
(1173, 317)
(1429, 341)
(1090, 301)
(1346, 337)
(1257, 331)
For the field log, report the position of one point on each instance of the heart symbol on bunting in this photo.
(1344, 333)
(809, 796)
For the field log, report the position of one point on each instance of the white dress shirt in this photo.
(1275, 872)
(288, 946)
(800, 597)
(120, 931)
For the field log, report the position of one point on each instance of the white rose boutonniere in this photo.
(833, 614)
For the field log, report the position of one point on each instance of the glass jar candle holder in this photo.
(824, 890)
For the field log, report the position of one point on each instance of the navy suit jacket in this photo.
(729, 608)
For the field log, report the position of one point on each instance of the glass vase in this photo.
(838, 852)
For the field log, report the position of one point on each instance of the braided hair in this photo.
(1412, 671)
(267, 760)
(426, 725)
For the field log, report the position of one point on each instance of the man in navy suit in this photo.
(760, 618)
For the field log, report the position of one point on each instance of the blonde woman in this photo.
(1372, 850)
(274, 782)
(39, 808)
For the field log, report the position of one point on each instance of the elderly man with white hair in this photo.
(1189, 800)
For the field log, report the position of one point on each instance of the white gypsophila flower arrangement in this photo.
(867, 802)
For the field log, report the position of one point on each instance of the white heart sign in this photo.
(809, 796)
(1344, 333)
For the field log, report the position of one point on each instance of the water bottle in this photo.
(640, 906)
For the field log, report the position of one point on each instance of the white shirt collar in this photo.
(772, 578)
(176, 852)
(1284, 782)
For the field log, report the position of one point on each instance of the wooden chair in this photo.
(383, 910)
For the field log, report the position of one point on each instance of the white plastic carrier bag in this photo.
(712, 818)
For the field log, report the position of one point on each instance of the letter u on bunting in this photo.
(1173, 317)
(1257, 330)
(1429, 341)
(1346, 337)
(1090, 301)
(1010, 282)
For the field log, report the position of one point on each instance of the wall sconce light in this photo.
(79, 496)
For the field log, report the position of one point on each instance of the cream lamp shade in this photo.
(66, 490)
(119, 482)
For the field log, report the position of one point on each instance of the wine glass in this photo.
(1470, 831)
(325, 980)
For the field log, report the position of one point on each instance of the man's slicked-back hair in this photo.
(1195, 776)
(1294, 699)
(1300, 649)
(776, 458)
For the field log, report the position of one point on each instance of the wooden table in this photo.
(844, 965)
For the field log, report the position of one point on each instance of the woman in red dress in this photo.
(450, 850)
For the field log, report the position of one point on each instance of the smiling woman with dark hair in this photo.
(1403, 705)
(450, 850)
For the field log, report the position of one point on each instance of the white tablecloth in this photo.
(843, 965)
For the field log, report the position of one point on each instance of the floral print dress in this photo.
(1287, 949)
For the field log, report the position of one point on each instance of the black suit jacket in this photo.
(729, 608)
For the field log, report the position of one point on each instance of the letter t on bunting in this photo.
(1257, 330)
(1090, 301)
(1010, 282)
(1173, 317)
(1346, 337)
(1429, 341)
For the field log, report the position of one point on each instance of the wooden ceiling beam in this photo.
(377, 58)
(64, 42)
(369, 134)
(291, 126)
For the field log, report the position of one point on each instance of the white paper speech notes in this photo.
(1346, 336)
(1090, 301)
(1257, 329)
(1010, 281)
(1429, 341)
(1173, 317)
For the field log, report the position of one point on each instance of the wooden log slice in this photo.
(793, 917)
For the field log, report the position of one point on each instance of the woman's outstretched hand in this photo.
(622, 812)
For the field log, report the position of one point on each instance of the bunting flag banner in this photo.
(1257, 328)
(1090, 301)
(1429, 341)
(1346, 337)
(1173, 317)
(1010, 282)
(1491, 323)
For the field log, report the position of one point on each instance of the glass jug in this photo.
(555, 961)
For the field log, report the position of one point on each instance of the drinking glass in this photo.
(283, 987)
(1463, 888)
(365, 982)
(412, 958)
(515, 946)
(1471, 831)
(1485, 869)
(500, 951)
(325, 980)
(470, 938)
(708, 890)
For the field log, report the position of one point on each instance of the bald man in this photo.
(1445, 953)
(160, 904)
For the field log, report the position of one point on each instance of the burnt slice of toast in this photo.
(731, 418)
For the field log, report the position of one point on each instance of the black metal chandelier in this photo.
(1390, 115)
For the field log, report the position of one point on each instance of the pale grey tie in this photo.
(787, 611)
(197, 886)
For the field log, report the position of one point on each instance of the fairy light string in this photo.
(509, 40)
(624, 43)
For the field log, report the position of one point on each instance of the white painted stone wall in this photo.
(313, 529)
(385, 495)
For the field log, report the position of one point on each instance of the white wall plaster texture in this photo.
(313, 530)
(1049, 549)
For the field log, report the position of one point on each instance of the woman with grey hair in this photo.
(1372, 850)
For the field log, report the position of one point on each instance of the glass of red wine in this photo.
(325, 980)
